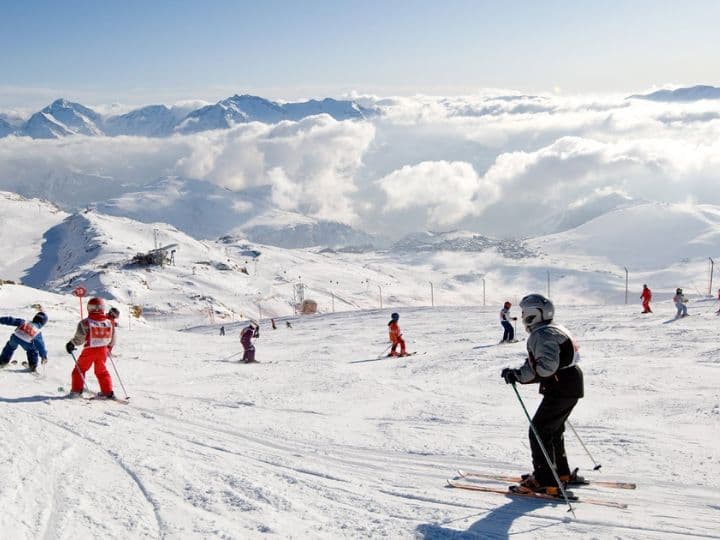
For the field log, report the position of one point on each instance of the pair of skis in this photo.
(465, 481)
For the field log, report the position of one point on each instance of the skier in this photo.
(28, 336)
(222, 330)
(646, 296)
(396, 336)
(680, 302)
(552, 362)
(272, 322)
(250, 331)
(509, 333)
(113, 314)
(97, 335)
(287, 323)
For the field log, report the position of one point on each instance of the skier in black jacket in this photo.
(552, 362)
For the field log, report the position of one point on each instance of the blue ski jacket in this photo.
(36, 344)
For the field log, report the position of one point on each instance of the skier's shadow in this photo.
(495, 524)
(30, 399)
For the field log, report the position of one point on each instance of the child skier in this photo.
(646, 296)
(509, 331)
(28, 336)
(396, 336)
(552, 362)
(680, 302)
(97, 335)
(250, 331)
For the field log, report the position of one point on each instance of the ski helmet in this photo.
(96, 305)
(395, 316)
(40, 318)
(113, 313)
(536, 309)
(678, 291)
(507, 305)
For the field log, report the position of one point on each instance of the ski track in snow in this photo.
(313, 446)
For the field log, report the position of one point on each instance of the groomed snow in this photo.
(312, 442)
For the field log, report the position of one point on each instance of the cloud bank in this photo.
(498, 163)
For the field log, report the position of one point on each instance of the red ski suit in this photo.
(396, 338)
(97, 334)
(646, 297)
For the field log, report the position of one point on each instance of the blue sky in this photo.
(148, 51)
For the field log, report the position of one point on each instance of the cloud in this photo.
(447, 192)
(498, 162)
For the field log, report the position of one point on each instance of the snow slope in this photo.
(23, 223)
(319, 441)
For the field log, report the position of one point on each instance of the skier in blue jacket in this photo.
(27, 335)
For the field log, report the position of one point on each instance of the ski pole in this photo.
(597, 465)
(110, 356)
(77, 367)
(385, 351)
(542, 447)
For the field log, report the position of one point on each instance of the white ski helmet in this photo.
(536, 309)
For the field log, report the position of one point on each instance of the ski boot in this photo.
(529, 484)
(573, 479)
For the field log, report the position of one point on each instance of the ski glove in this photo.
(510, 375)
(69, 347)
(44, 361)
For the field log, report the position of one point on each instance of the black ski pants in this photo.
(509, 333)
(549, 421)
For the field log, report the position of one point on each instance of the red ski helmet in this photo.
(96, 305)
(507, 305)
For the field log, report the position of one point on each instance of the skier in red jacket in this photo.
(97, 335)
(646, 297)
(396, 336)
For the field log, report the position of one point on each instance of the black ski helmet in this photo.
(40, 318)
(678, 291)
(395, 316)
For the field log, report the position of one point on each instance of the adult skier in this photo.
(509, 331)
(222, 330)
(646, 296)
(28, 336)
(552, 363)
(97, 335)
(251, 331)
(680, 301)
(396, 336)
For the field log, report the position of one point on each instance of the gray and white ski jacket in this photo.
(552, 361)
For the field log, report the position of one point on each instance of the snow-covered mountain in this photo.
(231, 111)
(150, 121)
(648, 236)
(460, 241)
(692, 93)
(205, 210)
(6, 128)
(63, 118)
(235, 275)
(23, 225)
